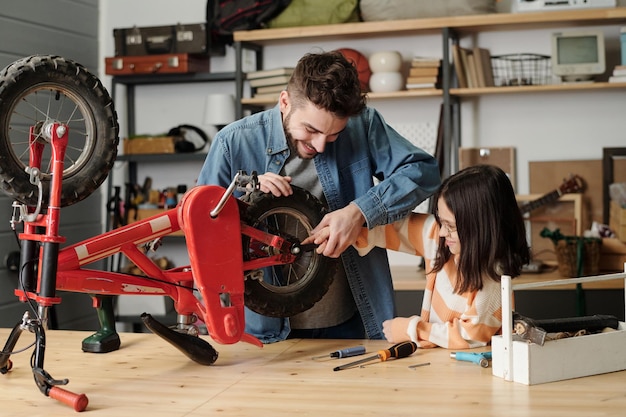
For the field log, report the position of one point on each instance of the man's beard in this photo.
(291, 142)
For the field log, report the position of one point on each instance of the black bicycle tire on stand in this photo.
(92, 122)
(300, 213)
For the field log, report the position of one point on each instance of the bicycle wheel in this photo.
(38, 90)
(288, 289)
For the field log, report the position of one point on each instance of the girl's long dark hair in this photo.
(489, 224)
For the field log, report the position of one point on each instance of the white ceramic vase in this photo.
(385, 61)
(385, 82)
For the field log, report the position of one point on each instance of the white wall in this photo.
(542, 127)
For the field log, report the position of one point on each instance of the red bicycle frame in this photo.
(210, 218)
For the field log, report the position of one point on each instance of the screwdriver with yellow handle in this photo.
(398, 351)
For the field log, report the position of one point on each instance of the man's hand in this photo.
(337, 230)
(275, 184)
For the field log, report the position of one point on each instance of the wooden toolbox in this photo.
(157, 64)
(573, 357)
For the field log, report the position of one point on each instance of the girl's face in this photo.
(448, 227)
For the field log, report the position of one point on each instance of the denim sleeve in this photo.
(407, 175)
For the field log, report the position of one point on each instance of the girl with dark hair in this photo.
(475, 236)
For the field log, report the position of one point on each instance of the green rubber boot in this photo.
(106, 339)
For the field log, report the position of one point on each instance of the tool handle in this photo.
(77, 401)
(346, 353)
(400, 350)
(479, 358)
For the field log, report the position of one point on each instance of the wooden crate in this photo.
(149, 145)
(617, 220)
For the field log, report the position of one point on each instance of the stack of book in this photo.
(619, 74)
(424, 73)
(472, 67)
(267, 84)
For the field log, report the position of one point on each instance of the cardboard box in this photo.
(501, 157)
(617, 220)
(149, 145)
(529, 363)
(612, 255)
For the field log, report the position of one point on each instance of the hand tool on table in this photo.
(536, 331)
(344, 353)
(398, 351)
(479, 358)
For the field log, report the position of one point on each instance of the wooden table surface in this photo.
(149, 377)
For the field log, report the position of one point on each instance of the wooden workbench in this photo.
(147, 376)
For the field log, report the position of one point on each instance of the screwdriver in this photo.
(481, 358)
(344, 353)
(400, 350)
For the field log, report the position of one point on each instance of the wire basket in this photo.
(521, 69)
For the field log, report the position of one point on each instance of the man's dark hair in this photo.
(329, 81)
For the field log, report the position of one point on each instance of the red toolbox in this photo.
(157, 64)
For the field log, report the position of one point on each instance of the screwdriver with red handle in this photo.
(398, 351)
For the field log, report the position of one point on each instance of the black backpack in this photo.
(226, 16)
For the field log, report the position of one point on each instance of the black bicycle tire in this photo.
(287, 301)
(67, 77)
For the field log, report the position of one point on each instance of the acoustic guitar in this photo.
(573, 184)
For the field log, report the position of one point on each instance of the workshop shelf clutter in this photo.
(530, 363)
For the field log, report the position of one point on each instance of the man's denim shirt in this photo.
(365, 149)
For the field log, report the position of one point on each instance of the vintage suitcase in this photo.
(156, 40)
(157, 64)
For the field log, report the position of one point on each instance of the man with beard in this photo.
(322, 137)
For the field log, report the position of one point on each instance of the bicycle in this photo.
(58, 142)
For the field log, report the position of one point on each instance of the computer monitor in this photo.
(578, 55)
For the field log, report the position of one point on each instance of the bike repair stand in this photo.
(45, 294)
(44, 381)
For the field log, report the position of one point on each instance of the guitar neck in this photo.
(545, 199)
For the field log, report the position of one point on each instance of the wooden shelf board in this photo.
(430, 92)
(467, 92)
(469, 24)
